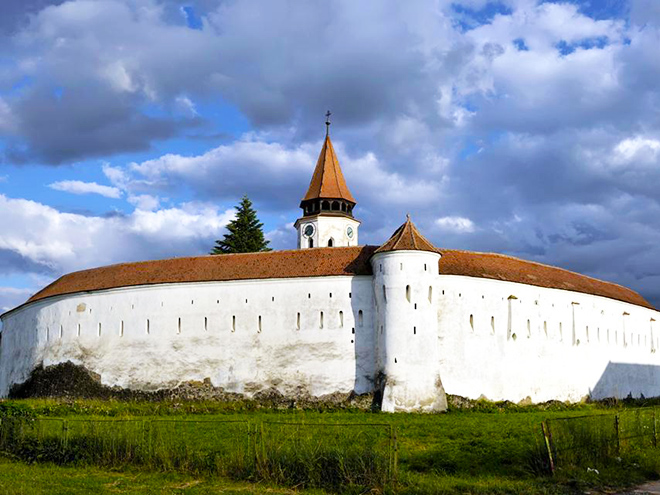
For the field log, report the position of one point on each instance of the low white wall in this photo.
(243, 335)
(555, 344)
(486, 346)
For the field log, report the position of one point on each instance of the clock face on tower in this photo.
(308, 230)
(349, 232)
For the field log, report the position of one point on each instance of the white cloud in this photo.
(638, 150)
(53, 242)
(79, 187)
(11, 297)
(456, 224)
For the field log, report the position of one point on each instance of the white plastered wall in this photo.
(557, 344)
(243, 335)
(326, 228)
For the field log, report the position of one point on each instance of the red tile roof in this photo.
(328, 181)
(407, 238)
(325, 262)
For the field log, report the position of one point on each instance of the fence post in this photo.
(616, 431)
(548, 445)
(65, 427)
(655, 429)
(396, 454)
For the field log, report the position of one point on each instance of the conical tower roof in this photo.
(407, 238)
(328, 181)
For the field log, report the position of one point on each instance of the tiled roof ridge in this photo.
(325, 261)
(538, 263)
(225, 255)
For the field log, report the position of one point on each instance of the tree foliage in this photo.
(245, 232)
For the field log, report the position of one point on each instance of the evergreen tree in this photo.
(245, 234)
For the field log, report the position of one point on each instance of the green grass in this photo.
(18, 478)
(491, 449)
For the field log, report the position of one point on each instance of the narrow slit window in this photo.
(321, 320)
(298, 321)
(121, 328)
(545, 328)
(360, 318)
(529, 329)
(424, 266)
(492, 324)
(408, 293)
(148, 327)
(401, 266)
(259, 323)
(233, 323)
(341, 319)
(414, 330)
(78, 330)
(61, 331)
(430, 293)
(472, 322)
(178, 326)
(47, 333)
(384, 294)
(99, 329)
(206, 324)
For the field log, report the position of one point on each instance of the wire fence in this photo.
(325, 455)
(597, 439)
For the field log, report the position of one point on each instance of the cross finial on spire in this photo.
(408, 217)
(327, 122)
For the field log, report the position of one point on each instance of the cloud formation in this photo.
(80, 187)
(518, 126)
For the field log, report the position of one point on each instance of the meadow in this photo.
(488, 449)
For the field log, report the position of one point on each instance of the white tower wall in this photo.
(406, 326)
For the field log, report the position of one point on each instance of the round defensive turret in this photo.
(405, 271)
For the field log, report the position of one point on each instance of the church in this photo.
(406, 321)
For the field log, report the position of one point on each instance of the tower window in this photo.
(310, 243)
(330, 242)
(335, 205)
(360, 318)
(325, 205)
(408, 293)
(343, 207)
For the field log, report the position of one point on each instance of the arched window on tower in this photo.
(331, 243)
(325, 205)
(343, 207)
(310, 243)
(335, 205)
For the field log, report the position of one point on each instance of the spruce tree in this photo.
(245, 234)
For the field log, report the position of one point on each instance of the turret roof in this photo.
(407, 238)
(328, 181)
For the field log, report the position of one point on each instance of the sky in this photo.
(129, 129)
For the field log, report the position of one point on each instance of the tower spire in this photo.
(327, 123)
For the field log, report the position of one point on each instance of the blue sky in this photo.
(130, 128)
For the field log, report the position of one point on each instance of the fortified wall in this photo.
(405, 321)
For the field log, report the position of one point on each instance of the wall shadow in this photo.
(363, 340)
(620, 380)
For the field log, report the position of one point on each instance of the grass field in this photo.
(470, 452)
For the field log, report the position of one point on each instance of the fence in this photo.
(307, 454)
(596, 439)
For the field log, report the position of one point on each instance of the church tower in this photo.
(327, 219)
